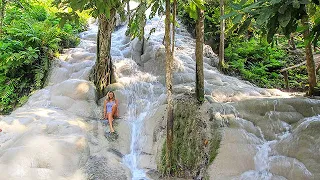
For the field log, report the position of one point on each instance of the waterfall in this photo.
(50, 136)
(266, 155)
(137, 100)
(143, 92)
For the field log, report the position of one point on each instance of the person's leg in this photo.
(115, 111)
(110, 119)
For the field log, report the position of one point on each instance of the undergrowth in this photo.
(31, 38)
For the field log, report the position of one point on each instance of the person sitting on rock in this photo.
(110, 109)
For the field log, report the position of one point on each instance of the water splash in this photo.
(142, 91)
(275, 103)
(307, 122)
(262, 164)
(138, 101)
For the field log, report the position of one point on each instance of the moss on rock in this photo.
(196, 139)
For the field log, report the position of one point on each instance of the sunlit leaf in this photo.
(226, 16)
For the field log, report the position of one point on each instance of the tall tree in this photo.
(199, 55)
(196, 11)
(174, 13)
(103, 70)
(222, 31)
(143, 24)
(105, 11)
(169, 62)
(309, 56)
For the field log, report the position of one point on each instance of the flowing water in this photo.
(266, 154)
(136, 121)
(142, 91)
(47, 115)
(49, 137)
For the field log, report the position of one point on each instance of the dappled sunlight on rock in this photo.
(82, 88)
(40, 112)
(13, 126)
(80, 123)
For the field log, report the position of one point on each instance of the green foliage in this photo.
(156, 7)
(256, 62)
(32, 36)
(265, 22)
(191, 7)
(260, 63)
(138, 17)
(137, 21)
(94, 7)
(276, 15)
(211, 22)
(38, 13)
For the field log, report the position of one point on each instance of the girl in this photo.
(110, 109)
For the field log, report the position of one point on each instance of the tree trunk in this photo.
(222, 29)
(2, 11)
(291, 42)
(174, 13)
(128, 11)
(199, 55)
(169, 88)
(309, 56)
(103, 69)
(142, 27)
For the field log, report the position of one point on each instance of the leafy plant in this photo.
(256, 62)
(31, 38)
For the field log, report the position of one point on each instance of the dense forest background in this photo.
(248, 54)
(31, 37)
(34, 32)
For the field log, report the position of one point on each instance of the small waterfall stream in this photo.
(138, 102)
(54, 119)
(265, 153)
(142, 91)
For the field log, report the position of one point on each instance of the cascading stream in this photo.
(139, 101)
(142, 91)
(265, 154)
(55, 119)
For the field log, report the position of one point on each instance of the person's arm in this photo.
(117, 107)
(104, 109)
(117, 102)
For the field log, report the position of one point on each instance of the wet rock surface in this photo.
(266, 133)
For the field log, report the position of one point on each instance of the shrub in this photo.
(32, 36)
